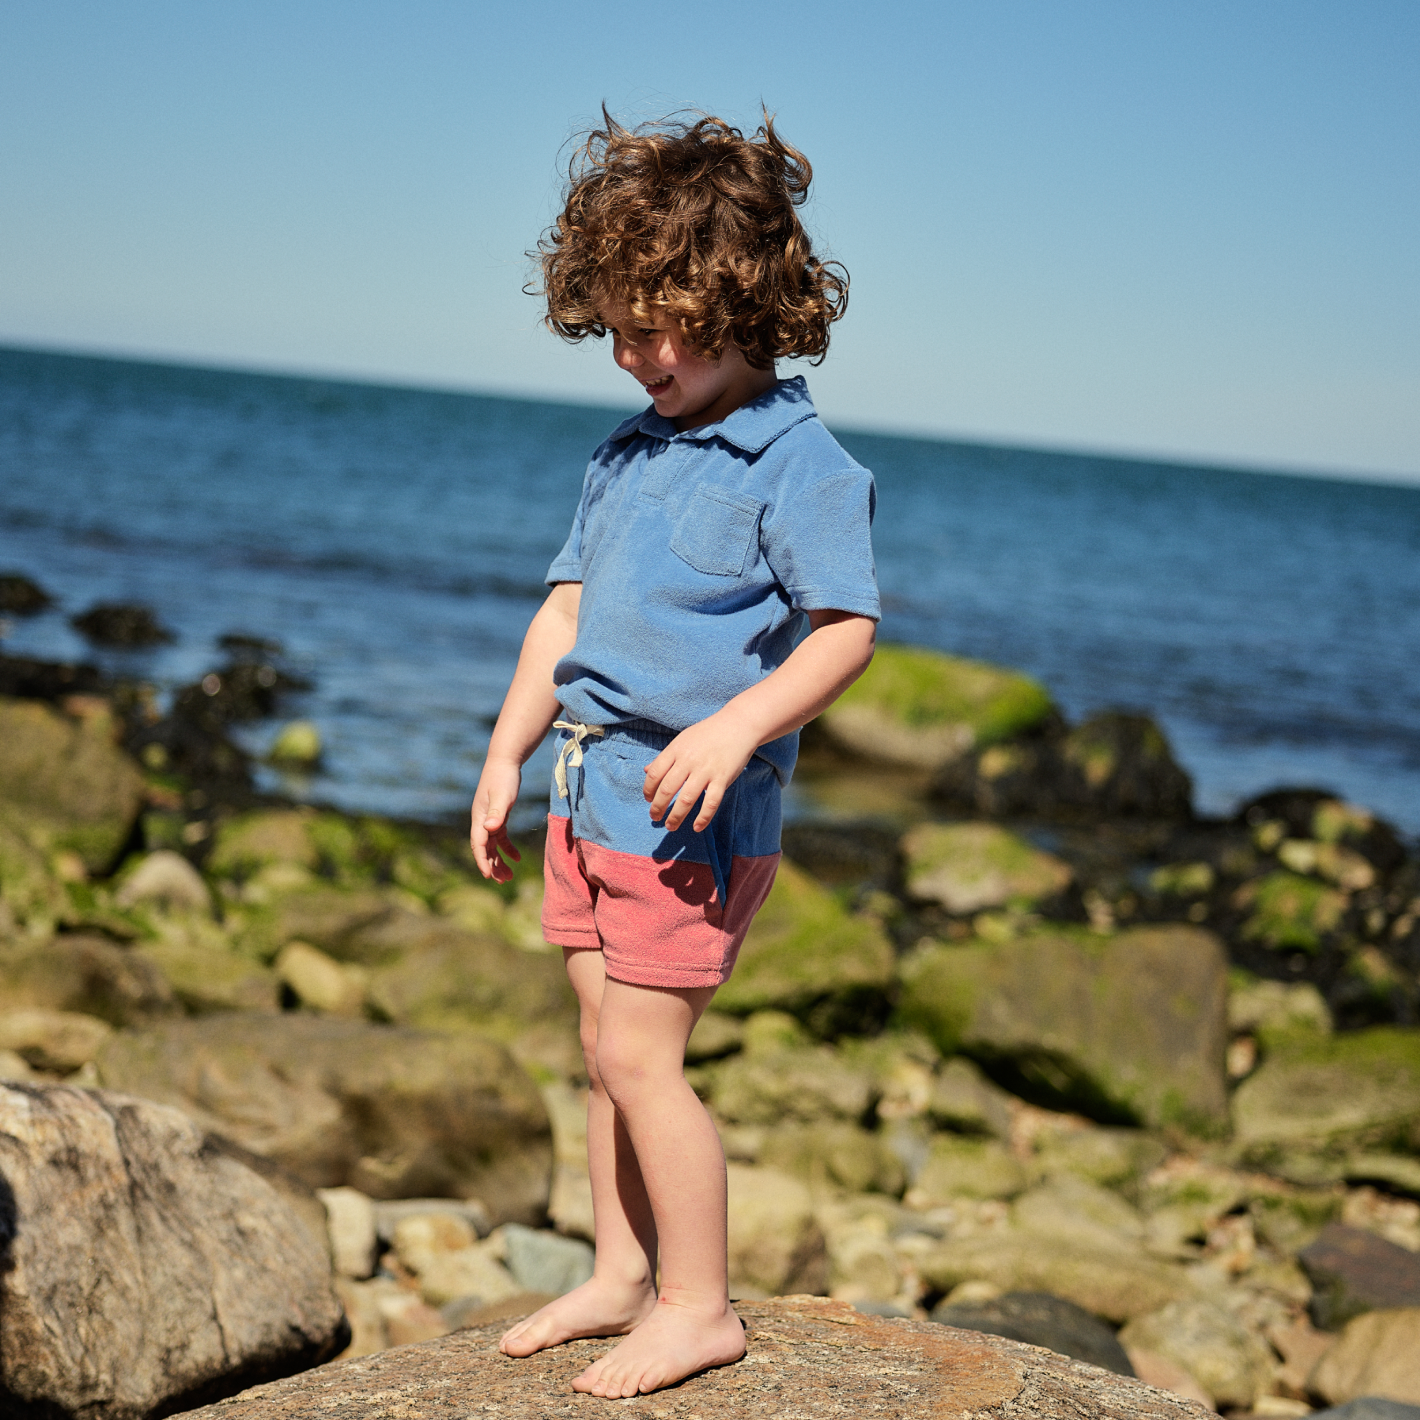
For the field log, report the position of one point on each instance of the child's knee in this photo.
(621, 1067)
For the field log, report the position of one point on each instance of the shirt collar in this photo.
(752, 427)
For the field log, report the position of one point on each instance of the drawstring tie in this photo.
(571, 751)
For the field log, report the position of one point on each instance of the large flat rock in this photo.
(807, 1356)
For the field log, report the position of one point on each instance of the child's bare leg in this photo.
(622, 1290)
(640, 1053)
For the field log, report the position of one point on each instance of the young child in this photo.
(716, 593)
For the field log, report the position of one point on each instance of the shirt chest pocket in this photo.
(714, 532)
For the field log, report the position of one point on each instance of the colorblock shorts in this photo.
(665, 909)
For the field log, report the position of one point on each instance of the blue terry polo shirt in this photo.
(699, 554)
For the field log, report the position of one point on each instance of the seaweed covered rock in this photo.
(1114, 764)
(1129, 1028)
(396, 1113)
(21, 595)
(923, 708)
(125, 624)
(808, 955)
(966, 867)
(147, 1268)
(1327, 1096)
(65, 783)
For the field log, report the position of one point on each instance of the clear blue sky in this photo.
(1176, 228)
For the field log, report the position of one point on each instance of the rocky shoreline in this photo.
(1019, 1044)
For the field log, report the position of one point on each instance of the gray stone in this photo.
(1369, 1407)
(166, 879)
(390, 1213)
(147, 1268)
(1211, 1344)
(1354, 1271)
(1041, 1320)
(806, 1355)
(390, 1111)
(965, 1100)
(1125, 1028)
(546, 1262)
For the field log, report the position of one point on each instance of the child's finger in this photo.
(708, 808)
(690, 792)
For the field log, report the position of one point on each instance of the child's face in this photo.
(686, 388)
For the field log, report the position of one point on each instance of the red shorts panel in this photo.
(656, 923)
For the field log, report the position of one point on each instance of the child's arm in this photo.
(528, 710)
(708, 757)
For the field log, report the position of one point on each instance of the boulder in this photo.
(805, 1355)
(1378, 1354)
(59, 1041)
(66, 782)
(1286, 912)
(1275, 1009)
(1112, 765)
(450, 979)
(957, 1167)
(1211, 1344)
(806, 1083)
(775, 1242)
(1126, 1029)
(147, 1269)
(165, 879)
(21, 596)
(350, 1225)
(1354, 1271)
(806, 954)
(1039, 1319)
(1072, 1209)
(922, 708)
(247, 843)
(970, 866)
(89, 974)
(834, 1152)
(1110, 1282)
(320, 982)
(391, 1111)
(32, 899)
(1354, 1091)
(541, 1261)
(204, 973)
(1303, 814)
(121, 624)
(1114, 1158)
(964, 1100)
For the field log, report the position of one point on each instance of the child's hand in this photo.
(497, 792)
(705, 759)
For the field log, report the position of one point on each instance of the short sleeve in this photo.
(817, 539)
(567, 565)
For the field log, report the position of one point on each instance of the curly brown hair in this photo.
(697, 222)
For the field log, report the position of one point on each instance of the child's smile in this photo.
(686, 388)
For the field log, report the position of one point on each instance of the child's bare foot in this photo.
(675, 1341)
(596, 1308)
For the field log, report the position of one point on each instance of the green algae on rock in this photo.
(808, 955)
(970, 866)
(924, 708)
(65, 784)
(1288, 912)
(1330, 1095)
(1127, 1029)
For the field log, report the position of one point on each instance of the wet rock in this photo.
(1313, 814)
(121, 624)
(1039, 1319)
(19, 596)
(1130, 1028)
(803, 1353)
(25, 678)
(545, 1262)
(1319, 1096)
(350, 1224)
(923, 709)
(1113, 765)
(775, 1242)
(65, 783)
(89, 974)
(805, 954)
(1378, 1354)
(147, 1268)
(58, 1041)
(965, 1168)
(1211, 1344)
(970, 866)
(1354, 1271)
(390, 1111)
(165, 879)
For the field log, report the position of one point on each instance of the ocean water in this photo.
(394, 541)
